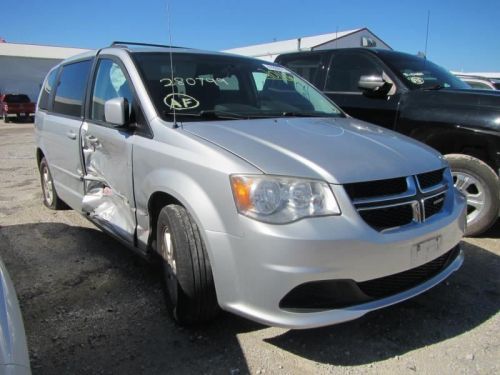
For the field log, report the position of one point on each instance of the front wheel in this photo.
(480, 184)
(190, 289)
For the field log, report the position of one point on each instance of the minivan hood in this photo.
(337, 150)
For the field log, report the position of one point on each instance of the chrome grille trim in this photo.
(414, 196)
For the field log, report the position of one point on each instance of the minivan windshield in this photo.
(419, 73)
(207, 87)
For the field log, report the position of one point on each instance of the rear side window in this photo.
(71, 89)
(346, 69)
(47, 88)
(305, 66)
(21, 98)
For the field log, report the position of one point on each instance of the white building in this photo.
(342, 39)
(24, 66)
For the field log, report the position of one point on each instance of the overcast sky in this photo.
(463, 35)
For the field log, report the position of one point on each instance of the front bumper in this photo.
(254, 271)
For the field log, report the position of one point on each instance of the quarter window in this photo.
(47, 88)
(346, 69)
(306, 66)
(71, 89)
(110, 83)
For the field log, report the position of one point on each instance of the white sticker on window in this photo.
(116, 76)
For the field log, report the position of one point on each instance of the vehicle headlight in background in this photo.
(279, 200)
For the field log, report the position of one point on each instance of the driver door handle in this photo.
(71, 134)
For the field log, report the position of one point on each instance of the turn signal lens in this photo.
(241, 191)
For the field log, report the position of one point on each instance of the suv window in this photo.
(418, 73)
(346, 69)
(71, 89)
(305, 66)
(110, 83)
(19, 98)
(47, 88)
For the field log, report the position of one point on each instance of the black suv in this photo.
(422, 100)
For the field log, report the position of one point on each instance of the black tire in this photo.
(49, 194)
(479, 182)
(189, 285)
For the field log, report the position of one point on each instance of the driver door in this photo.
(107, 153)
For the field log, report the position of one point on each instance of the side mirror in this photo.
(371, 83)
(116, 111)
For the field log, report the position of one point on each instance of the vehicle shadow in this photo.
(92, 306)
(493, 232)
(467, 299)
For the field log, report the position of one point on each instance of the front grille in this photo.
(370, 189)
(389, 285)
(342, 293)
(396, 202)
(388, 217)
(430, 179)
(433, 205)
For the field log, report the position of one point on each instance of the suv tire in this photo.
(189, 285)
(480, 184)
(50, 197)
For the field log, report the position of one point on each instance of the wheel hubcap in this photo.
(472, 188)
(48, 189)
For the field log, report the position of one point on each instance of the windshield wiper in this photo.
(305, 114)
(210, 115)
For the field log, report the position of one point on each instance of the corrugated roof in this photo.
(284, 46)
(38, 51)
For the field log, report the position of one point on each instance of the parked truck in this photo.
(422, 100)
(16, 106)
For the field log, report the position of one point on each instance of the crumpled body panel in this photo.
(108, 198)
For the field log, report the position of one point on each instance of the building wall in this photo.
(353, 40)
(24, 75)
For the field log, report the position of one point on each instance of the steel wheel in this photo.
(49, 193)
(472, 188)
(47, 186)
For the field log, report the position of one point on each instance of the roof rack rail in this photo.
(117, 43)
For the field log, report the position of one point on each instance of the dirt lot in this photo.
(91, 306)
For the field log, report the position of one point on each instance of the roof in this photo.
(284, 46)
(38, 51)
(491, 75)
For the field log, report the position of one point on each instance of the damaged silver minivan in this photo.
(260, 196)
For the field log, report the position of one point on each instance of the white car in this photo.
(14, 358)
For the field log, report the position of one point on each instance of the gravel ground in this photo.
(92, 306)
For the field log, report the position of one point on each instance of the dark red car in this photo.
(16, 106)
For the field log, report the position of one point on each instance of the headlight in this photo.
(280, 200)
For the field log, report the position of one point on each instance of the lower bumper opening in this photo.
(335, 294)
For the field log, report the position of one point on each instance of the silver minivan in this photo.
(258, 194)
